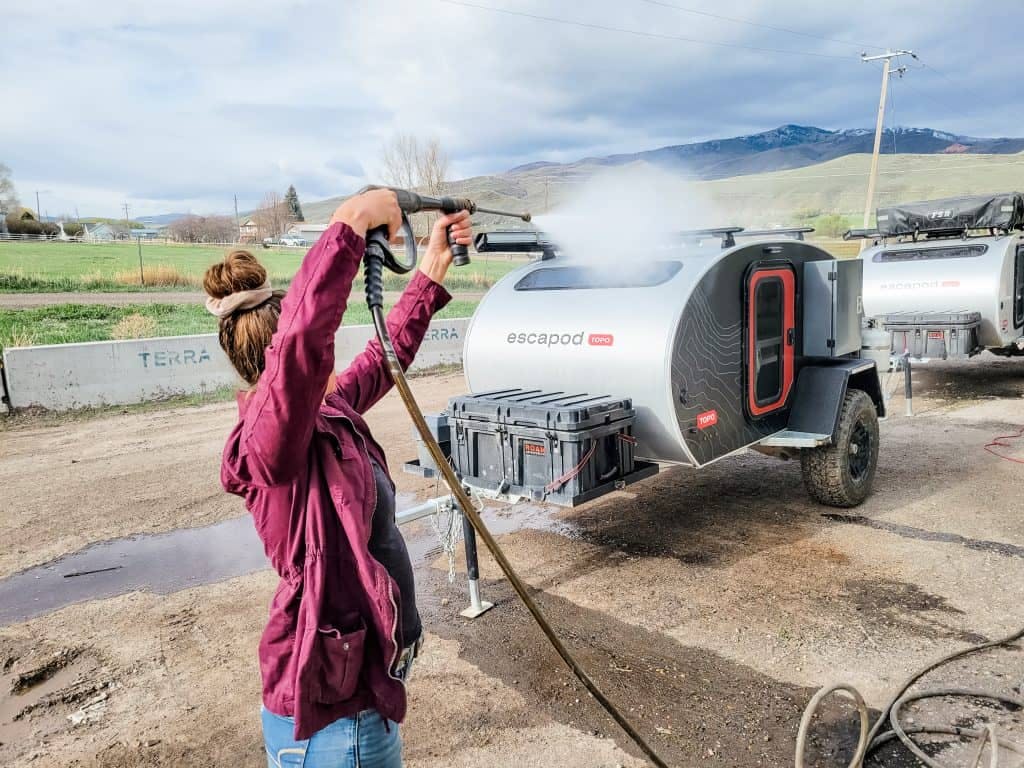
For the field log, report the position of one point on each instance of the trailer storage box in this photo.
(953, 214)
(934, 334)
(565, 449)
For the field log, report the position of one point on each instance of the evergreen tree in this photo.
(291, 201)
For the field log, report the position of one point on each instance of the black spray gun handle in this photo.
(378, 248)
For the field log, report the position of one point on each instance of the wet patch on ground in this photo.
(901, 608)
(921, 534)
(694, 706)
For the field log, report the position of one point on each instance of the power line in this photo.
(749, 23)
(640, 33)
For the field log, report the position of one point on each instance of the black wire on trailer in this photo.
(640, 32)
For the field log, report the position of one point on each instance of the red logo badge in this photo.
(537, 449)
(600, 340)
(707, 419)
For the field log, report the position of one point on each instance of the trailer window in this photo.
(771, 294)
(921, 254)
(622, 275)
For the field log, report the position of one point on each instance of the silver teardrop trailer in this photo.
(584, 378)
(945, 279)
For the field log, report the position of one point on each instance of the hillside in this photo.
(840, 185)
(835, 186)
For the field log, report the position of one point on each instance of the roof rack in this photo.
(726, 234)
(797, 233)
(861, 234)
(515, 241)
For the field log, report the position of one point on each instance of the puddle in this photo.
(162, 563)
(191, 557)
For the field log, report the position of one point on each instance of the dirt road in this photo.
(117, 298)
(710, 604)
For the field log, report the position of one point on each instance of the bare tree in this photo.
(410, 163)
(202, 229)
(8, 198)
(272, 217)
(400, 160)
(431, 167)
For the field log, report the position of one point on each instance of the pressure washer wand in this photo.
(413, 202)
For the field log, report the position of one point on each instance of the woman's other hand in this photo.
(438, 258)
(376, 208)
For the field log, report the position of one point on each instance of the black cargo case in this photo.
(949, 215)
(564, 448)
(934, 334)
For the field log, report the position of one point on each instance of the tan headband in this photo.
(238, 300)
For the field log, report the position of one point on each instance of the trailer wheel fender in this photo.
(821, 389)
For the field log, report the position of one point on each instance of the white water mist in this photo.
(617, 215)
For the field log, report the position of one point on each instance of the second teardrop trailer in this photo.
(584, 378)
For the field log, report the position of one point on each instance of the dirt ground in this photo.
(709, 605)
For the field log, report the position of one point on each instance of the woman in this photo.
(343, 626)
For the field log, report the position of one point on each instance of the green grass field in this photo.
(67, 323)
(65, 267)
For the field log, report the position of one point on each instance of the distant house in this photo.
(102, 231)
(248, 231)
(147, 233)
(308, 232)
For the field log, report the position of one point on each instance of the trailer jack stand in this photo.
(477, 607)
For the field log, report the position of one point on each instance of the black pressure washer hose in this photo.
(374, 281)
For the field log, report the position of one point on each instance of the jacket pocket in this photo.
(339, 661)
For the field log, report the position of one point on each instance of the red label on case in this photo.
(600, 340)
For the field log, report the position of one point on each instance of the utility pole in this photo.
(39, 211)
(887, 69)
(238, 224)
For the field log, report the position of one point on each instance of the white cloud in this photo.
(181, 105)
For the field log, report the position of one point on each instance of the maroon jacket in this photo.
(302, 464)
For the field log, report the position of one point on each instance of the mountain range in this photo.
(541, 185)
(783, 148)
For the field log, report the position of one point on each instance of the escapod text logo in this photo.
(555, 339)
(707, 419)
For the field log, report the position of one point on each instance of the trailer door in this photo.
(1018, 287)
(771, 337)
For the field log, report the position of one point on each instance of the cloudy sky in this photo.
(178, 106)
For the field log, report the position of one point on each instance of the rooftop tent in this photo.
(953, 215)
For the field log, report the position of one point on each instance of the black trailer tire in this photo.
(841, 474)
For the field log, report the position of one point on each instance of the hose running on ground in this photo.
(871, 740)
(466, 504)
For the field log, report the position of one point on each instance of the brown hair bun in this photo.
(239, 271)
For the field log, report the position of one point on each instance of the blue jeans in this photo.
(362, 741)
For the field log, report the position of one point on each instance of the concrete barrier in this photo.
(63, 377)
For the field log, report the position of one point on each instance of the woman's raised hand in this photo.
(376, 208)
(438, 258)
